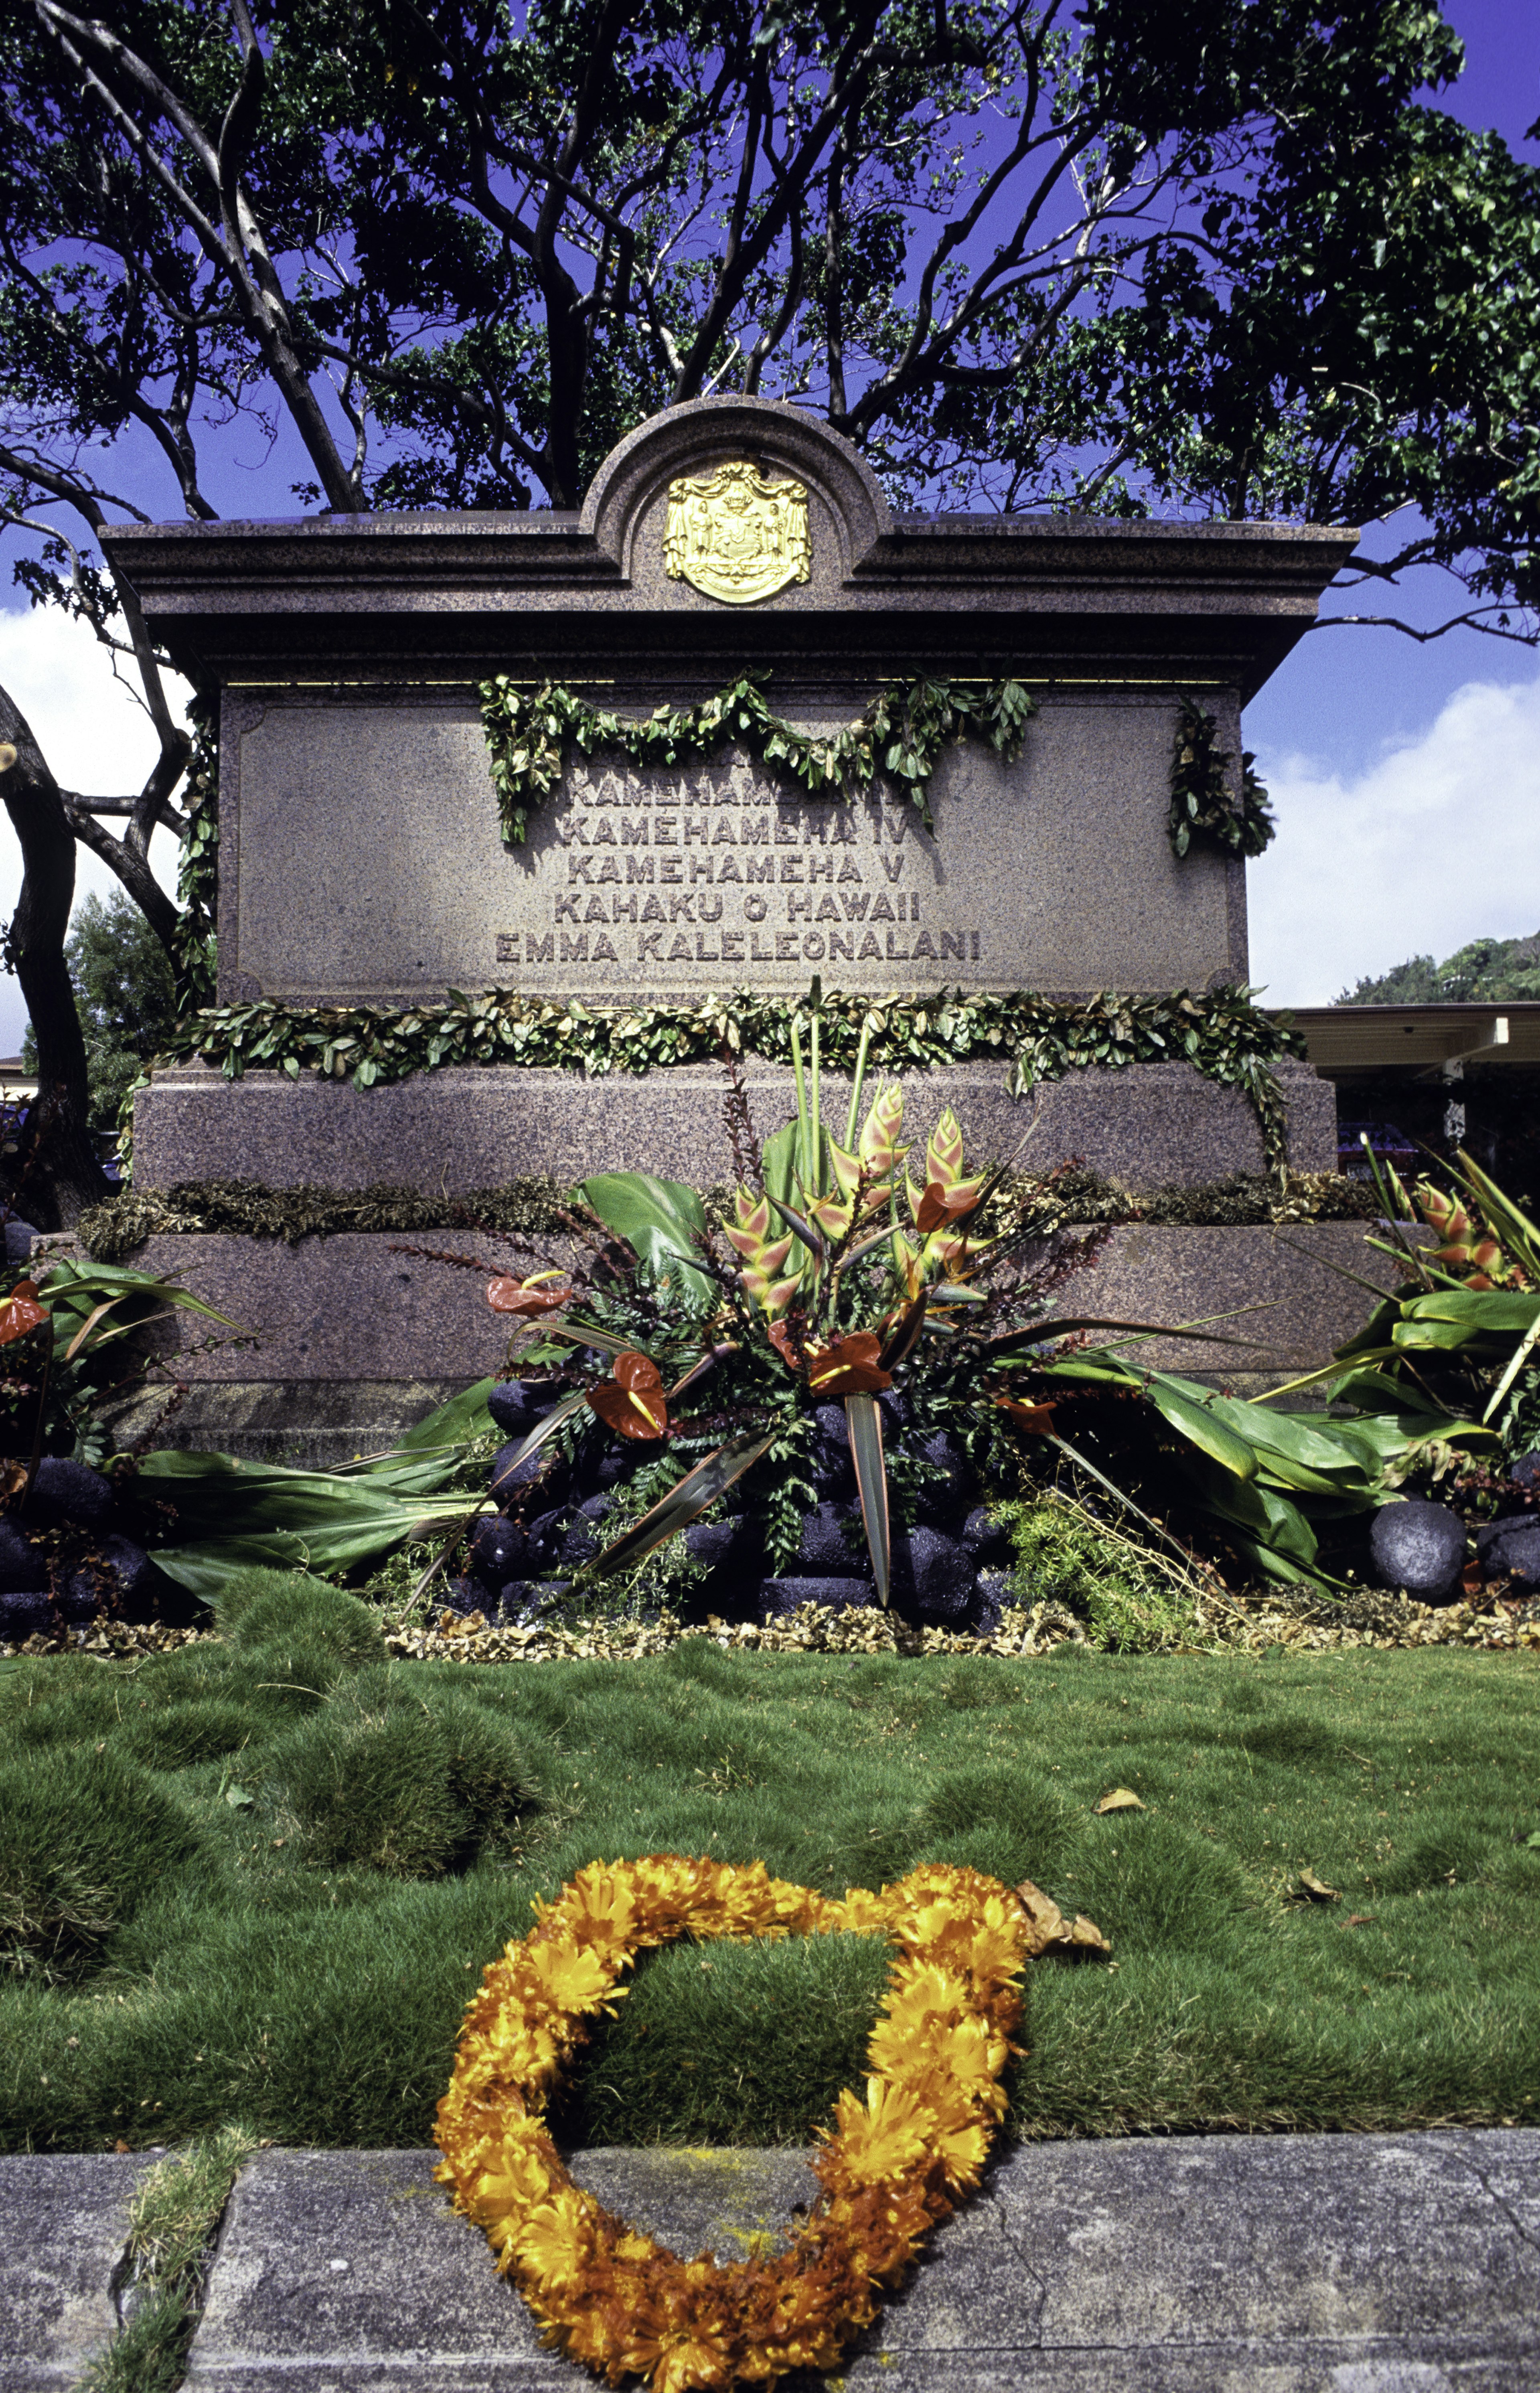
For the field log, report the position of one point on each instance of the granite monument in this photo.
(362, 860)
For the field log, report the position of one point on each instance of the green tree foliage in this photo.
(1225, 258)
(126, 997)
(1486, 969)
(1221, 258)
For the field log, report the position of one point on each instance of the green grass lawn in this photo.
(257, 1879)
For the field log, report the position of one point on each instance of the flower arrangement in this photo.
(846, 1279)
(893, 2164)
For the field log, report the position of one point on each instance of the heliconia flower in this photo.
(20, 1311)
(754, 1223)
(946, 1196)
(763, 1256)
(849, 1171)
(879, 1149)
(527, 1296)
(772, 1295)
(631, 1402)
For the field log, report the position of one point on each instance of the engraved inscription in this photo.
(709, 868)
(1053, 873)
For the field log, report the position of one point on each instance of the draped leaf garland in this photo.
(899, 737)
(1221, 1033)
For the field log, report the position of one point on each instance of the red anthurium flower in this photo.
(849, 1368)
(527, 1296)
(1039, 1418)
(20, 1311)
(631, 1402)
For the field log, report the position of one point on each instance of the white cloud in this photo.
(1435, 845)
(96, 738)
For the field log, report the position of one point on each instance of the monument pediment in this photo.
(784, 555)
(682, 483)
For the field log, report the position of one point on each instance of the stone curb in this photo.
(1328, 2264)
(63, 2233)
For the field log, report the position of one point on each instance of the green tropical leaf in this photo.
(205, 1568)
(661, 1222)
(779, 1158)
(463, 1418)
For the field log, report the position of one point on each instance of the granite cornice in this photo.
(411, 595)
(423, 561)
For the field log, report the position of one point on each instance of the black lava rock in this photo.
(985, 1537)
(20, 1566)
(509, 1407)
(613, 1469)
(80, 1598)
(941, 1501)
(1420, 1545)
(584, 1540)
(464, 1596)
(1526, 1470)
(117, 1578)
(993, 1592)
(18, 1243)
(501, 1550)
(26, 1613)
(780, 1597)
(525, 1599)
(70, 1491)
(1511, 1549)
(933, 1576)
(827, 1551)
(833, 1472)
(509, 1479)
(732, 1550)
(547, 1530)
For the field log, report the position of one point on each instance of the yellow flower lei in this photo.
(890, 2168)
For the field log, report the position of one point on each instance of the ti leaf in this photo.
(693, 1495)
(864, 1423)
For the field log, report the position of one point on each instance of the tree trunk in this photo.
(57, 1173)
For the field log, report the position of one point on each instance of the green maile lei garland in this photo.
(1222, 1035)
(1203, 804)
(899, 737)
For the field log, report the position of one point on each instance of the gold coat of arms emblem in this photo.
(736, 534)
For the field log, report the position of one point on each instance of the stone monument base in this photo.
(357, 1339)
(354, 1336)
(1146, 1126)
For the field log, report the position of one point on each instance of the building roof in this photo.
(1423, 1038)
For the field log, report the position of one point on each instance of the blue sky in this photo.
(1405, 776)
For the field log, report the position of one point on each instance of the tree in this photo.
(1208, 258)
(1485, 970)
(125, 1001)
